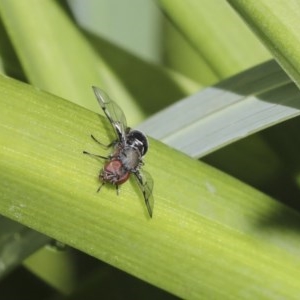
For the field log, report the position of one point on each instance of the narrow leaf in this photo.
(217, 33)
(276, 23)
(57, 58)
(229, 111)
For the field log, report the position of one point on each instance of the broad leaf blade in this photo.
(203, 219)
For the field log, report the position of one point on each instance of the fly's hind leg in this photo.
(94, 155)
(118, 189)
(99, 188)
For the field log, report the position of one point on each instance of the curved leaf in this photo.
(277, 25)
(219, 36)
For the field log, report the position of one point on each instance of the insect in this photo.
(128, 150)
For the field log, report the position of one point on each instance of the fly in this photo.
(129, 149)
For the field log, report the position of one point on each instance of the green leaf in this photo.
(50, 41)
(276, 23)
(203, 219)
(218, 35)
(10, 63)
(16, 243)
(181, 56)
(83, 60)
(142, 78)
(224, 113)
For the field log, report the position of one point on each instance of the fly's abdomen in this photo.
(114, 172)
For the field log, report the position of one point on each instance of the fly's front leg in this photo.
(113, 143)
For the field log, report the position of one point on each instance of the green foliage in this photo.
(276, 24)
(211, 236)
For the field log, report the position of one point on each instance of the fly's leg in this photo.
(103, 145)
(95, 155)
(99, 188)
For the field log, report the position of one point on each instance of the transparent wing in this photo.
(145, 183)
(113, 112)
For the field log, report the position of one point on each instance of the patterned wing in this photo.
(113, 112)
(145, 183)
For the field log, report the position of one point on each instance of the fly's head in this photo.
(137, 140)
